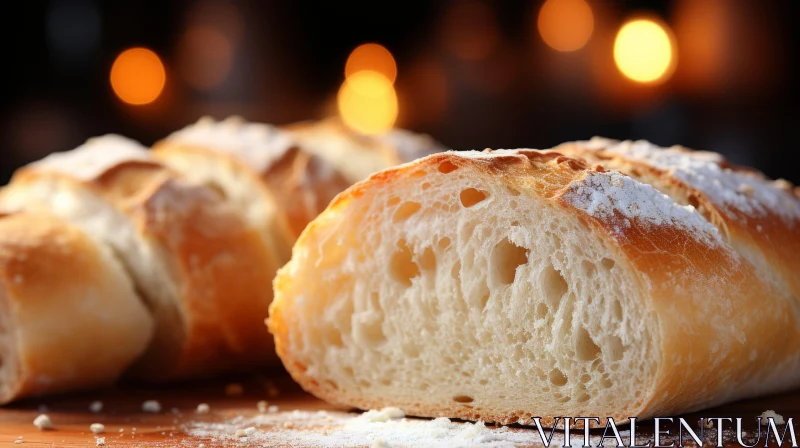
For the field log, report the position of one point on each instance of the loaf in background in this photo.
(504, 285)
(300, 168)
(203, 274)
(69, 316)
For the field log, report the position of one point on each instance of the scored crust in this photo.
(203, 273)
(695, 283)
(48, 270)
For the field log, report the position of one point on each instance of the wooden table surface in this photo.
(127, 425)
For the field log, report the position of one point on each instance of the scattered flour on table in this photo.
(385, 427)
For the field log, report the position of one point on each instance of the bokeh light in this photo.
(644, 51)
(205, 57)
(368, 102)
(138, 76)
(565, 25)
(374, 57)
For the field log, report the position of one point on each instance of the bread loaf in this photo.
(282, 178)
(356, 155)
(510, 284)
(757, 216)
(203, 274)
(69, 316)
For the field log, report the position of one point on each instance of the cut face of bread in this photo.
(201, 272)
(511, 284)
(69, 316)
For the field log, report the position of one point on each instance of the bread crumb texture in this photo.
(775, 416)
(151, 406)
(43, 422)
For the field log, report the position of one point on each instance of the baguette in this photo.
(504, 285)
(201, 271)
(757, 216)
(259, 168)
(300, 168)
(356, 155)
(69, 316)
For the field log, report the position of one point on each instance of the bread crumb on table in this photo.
(288, 425)
(101, 441)
(378, 443)
(203, 408)
(263, 406)
(18, 442)
(43, 422)
(775, 416)
(97, 428)
(272, 409)
(151, 406)
(247, 432)
(96, 406)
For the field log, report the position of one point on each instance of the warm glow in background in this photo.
(643, 51)
(711, 74)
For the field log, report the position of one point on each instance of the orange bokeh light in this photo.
(138, 76)
(374, 57)
(565, 25)
(368, 102)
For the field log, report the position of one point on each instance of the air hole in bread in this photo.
(585, 348)
(583, 397)
(426, 185)
(506, 258)
(541, 310)
(427, 261)
(443, 243)
(485, 300)
(333, 337)
(463, 399)
(607, 263)
(455, 271)
(447, 167)
(615, 348)
(401, 266)
(471, 196)
(553, 284)
(588, 268)
(405, 211)
(513, 191)
(368, 328)
(616, 308)
(393, 201)
(418, 173)
(217, 189)
(557, 377)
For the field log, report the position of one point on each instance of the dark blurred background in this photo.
(720, 75)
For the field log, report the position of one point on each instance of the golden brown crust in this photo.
(722, 328)
(49, 269)
(221, 268)
(764, 235)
